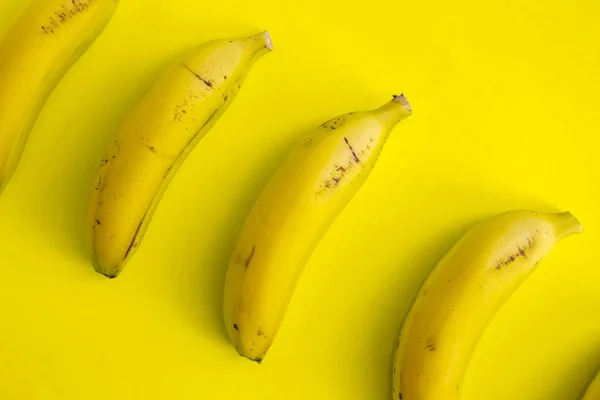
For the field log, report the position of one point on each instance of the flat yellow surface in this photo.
(506, 100)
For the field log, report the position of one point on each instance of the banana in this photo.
(164, 127)
(35, 53)
(593, 390)
(291, 215)
(462, 294)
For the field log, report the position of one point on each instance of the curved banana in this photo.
(462, 294)
(164, 127)
(35, 53)
(593, 390)
(291, 215)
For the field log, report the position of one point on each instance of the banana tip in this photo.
(401, 99)
(257, 360)
(110, 274)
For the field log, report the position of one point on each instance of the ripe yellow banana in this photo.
(174, 114)
(35, 53)
(293, 212)
(462, 294)
(593, 390)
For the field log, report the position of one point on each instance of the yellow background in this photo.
(506, 98)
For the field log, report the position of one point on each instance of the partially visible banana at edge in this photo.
(173, 115)
(35, 53)
(592, 392)
(292, 214)
(461, 296)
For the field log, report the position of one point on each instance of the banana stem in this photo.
(268, 40)
(262, 43)
(394, 111)
(402, 100)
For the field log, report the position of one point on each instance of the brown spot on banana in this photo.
(352, 150)
(99, 186)
(206, 82)
(66, 14)
(250, 257)
(134, 243)
(520, 252)
(337, 174)
(334, 123)
(430, 344)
